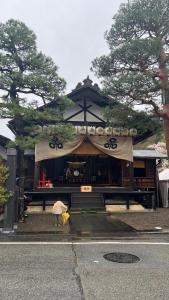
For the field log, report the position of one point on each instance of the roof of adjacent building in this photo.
(149, 154)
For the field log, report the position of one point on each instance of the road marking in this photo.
(86, 243)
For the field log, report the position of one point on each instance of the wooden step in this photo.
(87, 200)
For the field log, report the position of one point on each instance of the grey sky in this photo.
(70, 31)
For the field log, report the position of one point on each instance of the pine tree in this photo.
(28, 78)
(136, 70)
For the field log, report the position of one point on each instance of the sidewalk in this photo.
(99, 224)
(146, 220)
(80, 224)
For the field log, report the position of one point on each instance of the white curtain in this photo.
(44, 151)
(119, 147)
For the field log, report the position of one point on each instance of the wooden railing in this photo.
(140, 182)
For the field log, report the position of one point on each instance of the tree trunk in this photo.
(166, 126)
(19, 126)
(21, 180)
(164, 78)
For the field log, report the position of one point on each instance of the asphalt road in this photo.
(78, 271)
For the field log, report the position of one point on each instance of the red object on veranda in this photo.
(44, 183)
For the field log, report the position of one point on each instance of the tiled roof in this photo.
(148, 154)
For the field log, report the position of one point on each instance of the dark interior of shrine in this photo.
(82, 169)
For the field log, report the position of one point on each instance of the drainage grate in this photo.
(122, 257)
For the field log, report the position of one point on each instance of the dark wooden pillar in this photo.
(108, 167)
(131, 175)
(36, 174)
(10, 207)
(131, 172)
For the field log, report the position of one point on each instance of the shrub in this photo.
(4, 193)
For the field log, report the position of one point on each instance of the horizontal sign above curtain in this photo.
(119, 147)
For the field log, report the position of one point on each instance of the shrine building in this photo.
(98, 165)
